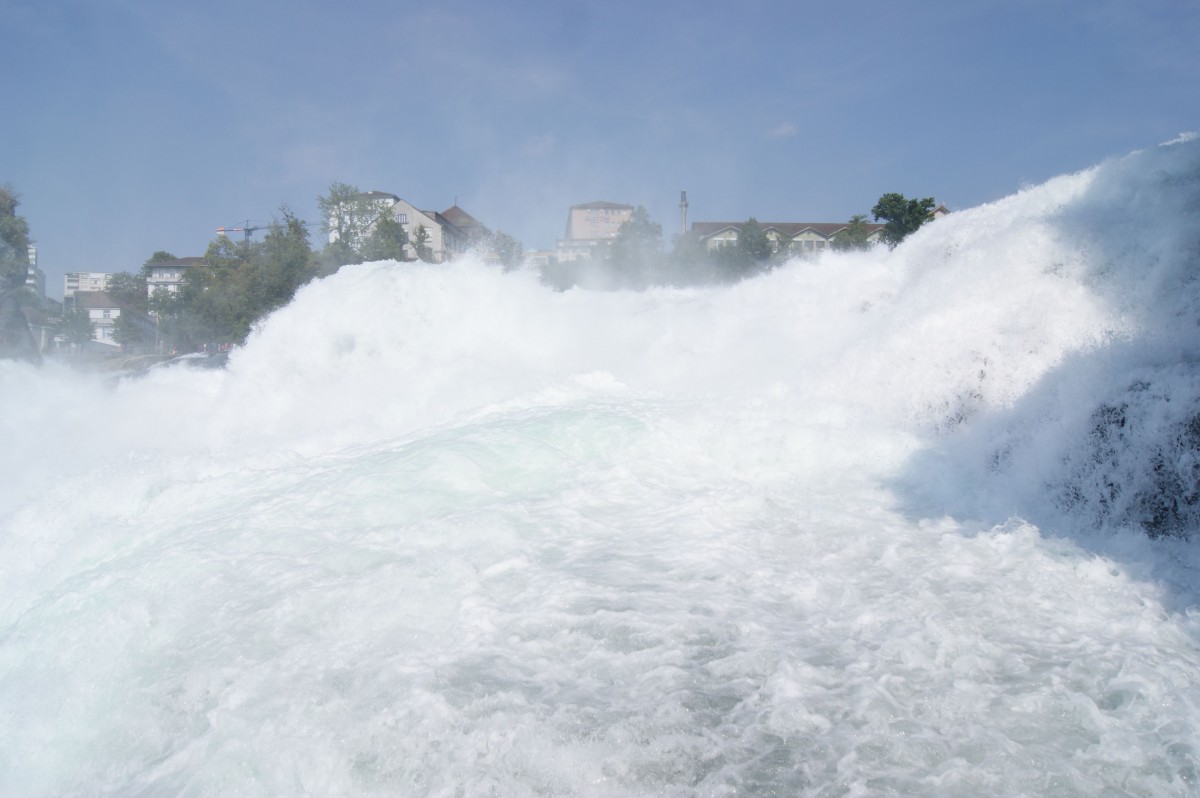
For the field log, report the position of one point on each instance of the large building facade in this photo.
(167, 276)
(76, 282)
(443, 237)
(591, 227)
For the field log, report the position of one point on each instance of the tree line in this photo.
(237, 283)
(636, 257)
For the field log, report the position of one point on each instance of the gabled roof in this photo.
(95, 300)
(460, 218)
(471, 227)
(444, 222)
(175, 264)
(377, 195)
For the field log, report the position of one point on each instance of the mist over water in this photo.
(910, 522)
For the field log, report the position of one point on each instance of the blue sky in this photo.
(141, 125)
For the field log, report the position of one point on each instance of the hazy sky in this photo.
(141, 125)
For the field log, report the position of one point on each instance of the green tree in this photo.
(350, 216)
(76, 327)
(130, 335)
(692, 261)
(388, 241)
(129, 290)
(902, 216)
(855, 237)
(421, 244)
(507, 249)
(285, 262)
(754, 244)
(14, 241)
(236, 285)
(161, 256)
(635, 256)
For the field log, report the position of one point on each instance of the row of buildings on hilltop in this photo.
(450, 233)
(592, 226)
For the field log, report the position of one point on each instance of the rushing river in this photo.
(909, 522)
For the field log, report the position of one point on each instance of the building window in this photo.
(107, 314)
(402, 218)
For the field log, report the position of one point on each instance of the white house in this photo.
(103, 310)
(443, 237)
(168, 275)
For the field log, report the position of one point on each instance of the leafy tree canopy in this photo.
(636, 252)
(387, 241)
(350, 217)
(76, 327)
(236, 285)
(14, 241)
(507, 249)
(902, 216)
(753, 242)
(421, 244)
(856, 236)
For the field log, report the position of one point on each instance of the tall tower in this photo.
(682, 213)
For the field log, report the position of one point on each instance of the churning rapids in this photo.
(920, 522)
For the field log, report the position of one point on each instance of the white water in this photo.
(850, 528)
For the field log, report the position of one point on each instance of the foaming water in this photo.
(862, 525)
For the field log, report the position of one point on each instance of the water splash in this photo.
(442, 531)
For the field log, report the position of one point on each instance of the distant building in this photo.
(540, 258)
(444, 237)
(35, 278)
(168, 275)
(474, 230)
(74, 282)
(799, 238)
(103, 309)
(591, 227)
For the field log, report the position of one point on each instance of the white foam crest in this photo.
(442, 530)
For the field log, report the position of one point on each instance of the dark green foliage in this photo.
(236, 286)
(855, 237)
(76, 327)
(350, 217)
(751, 254)
(129, 290)
(131, 336)
(14, 241)
(388, 241)
(636, 252)
(902, 216)
(753, 244)
(421, 244)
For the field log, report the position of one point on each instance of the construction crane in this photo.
(247, 229)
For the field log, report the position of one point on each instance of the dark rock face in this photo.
(16, 340)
